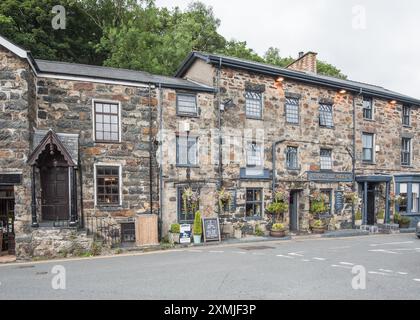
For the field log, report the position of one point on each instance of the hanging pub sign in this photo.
(211, 229)
(185, 233)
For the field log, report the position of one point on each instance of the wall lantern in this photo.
(280, 79)
(393, 102)
(342, 91)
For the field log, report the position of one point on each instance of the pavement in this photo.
(316, 268)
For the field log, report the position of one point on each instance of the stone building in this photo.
(309, 134)
(87, 150)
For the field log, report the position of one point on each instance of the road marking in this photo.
(347, 263)
(212, 251)
(283, 256)
(385, 270)
(403, 273)
(417, 280)
(344, 247)
(296, 254)
(384, 251)
(337, 266)
(306, 260)
(239, 252)
(379, 273)
(196, 250)
(319, 259)
(390, 243)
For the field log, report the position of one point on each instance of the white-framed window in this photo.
(186, 104)
(187, 151)
(253, 104)
(406, 151)
(368, 141)
(292, 110)
(254, 155)
(326, 115)
(326, 159)
(106, 121)
(406, 115)
(108, 184)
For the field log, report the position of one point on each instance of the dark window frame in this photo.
(250, 96)
(128, 232)
(326, 114)
(189, 216)
(178, 145)
(372, 148)
(109, 114)
(258, 151)
(254, 202)
(182, 113)
(406, 154)
(406, 115)
(289, 151)
(292, 110)
(102, 196)
(368, 111)
(330, 161)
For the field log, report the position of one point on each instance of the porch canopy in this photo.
(58, 180)
(375, 179)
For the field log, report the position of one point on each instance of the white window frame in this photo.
(372, 105)
(94, 119)
(106, 164)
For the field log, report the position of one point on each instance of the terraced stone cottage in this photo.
(95, 149)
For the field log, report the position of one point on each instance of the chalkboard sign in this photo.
(211, 229)
(339, 201)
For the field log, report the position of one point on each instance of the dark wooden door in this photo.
(371, 205)
(55, 193)
(293, 212)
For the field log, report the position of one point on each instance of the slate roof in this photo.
(257, 67)
(108, 73)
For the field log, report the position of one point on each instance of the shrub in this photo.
(397, 217)
(175, 228)
(197, 228)
(318, 224)
(404, 220)
(258, 231)
(381, 214)
(358, 215)
(278, 227)
(96, 249)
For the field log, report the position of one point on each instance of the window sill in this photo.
(369, 120)
(294, 169)
(369, 163)
(107, 142)
(407, 126)
(325, 127)
(109, 207)
(407, 166)
(254, 118)
(187, 115)
(296, 124)
(187, 166)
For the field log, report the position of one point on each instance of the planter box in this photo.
(237, 234)
(318, 230)
(380, 221)
(358, 223)
(278, 234)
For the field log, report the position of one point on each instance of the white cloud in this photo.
(385, 53)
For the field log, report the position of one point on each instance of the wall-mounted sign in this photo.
(10, 178)
(211, 229)
(330, 176)
(185, 233)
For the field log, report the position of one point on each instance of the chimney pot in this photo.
(301, 54)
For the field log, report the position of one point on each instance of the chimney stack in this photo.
(306, 62)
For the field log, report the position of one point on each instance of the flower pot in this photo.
(237, 234)
(278, 234)
(358, 223)
(197, 238)
(318, 230)
(404, 225)
(173, 237)
(380, 221)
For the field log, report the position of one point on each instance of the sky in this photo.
(372, 41)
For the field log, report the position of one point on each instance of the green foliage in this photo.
(197, 228)
(133, 34)
(381, 214)
(404, 220)
(277, 207)
(397, 218)
(175, 228)
(96, 248)
(258, 231)
(318, 224)
(317, 207)
(358, 215)
(278, 227)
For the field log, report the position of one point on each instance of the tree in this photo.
(28, 24)
(272, 56)
(239, 49)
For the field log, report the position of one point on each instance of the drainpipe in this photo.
(150, 150)
(273, 171)
(160, 217)
(354, 155)
(220, 126)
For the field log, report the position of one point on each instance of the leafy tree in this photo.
(239, 49)
(272, 56)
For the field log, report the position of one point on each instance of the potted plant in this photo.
(404, 222)
(380, 217)
(197, 228)
(318, 226)
(279, 206)
(318, 204)
(190, 199)
(397, 218)
(350, 197)
(237, 230)
(174, 233)
(278, 230)
(358, 218)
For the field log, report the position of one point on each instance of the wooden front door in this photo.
(55, 193)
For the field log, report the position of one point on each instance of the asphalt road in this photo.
(298, 269)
